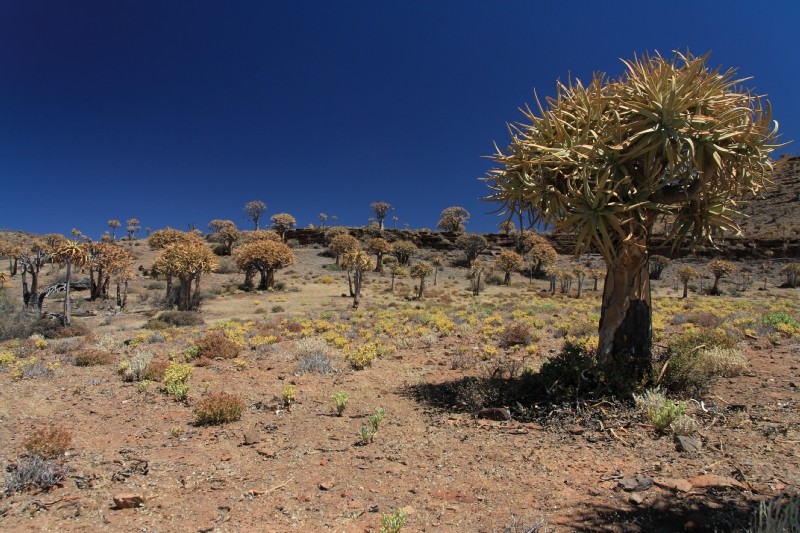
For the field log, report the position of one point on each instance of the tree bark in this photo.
(67, 317)
(625, 331)
(507, 279)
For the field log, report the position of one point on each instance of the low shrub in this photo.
(48, 442)
(515, 335)
(181, 318)
(215, 344)
(781, 513)
(34, 472)
(340, 400)
(176, 377)
(93, 357)
(218, 409)
(659, 410)
(155, 370)
(133, 369)
(693, 359)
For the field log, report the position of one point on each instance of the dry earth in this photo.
(450, 470)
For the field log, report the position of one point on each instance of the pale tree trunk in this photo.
(357, 280)
(625, 332)
(67, 317)
(421, 292)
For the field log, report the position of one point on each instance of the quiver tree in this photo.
(358, 262)
(539, 251)
(507, 262)
(133, 227)
(437, 261)
(453, 219)
(31, 260)
(604, 161)
(186, 260)
(476, 277)
(381, 209)
(11, 251)
(596, 274)
(253, 210)
(397, 271)
(121, 278)
(792, 273)
(507, 227)
(379, 247)
(420, 271)
(264, 256)
(403, 251)
(657, 265)
(283, 222)
(580, 273)
(259, 235)
(686, 274)
(322, 219)
(719, 268)
(72, 254)
(342, 244)
(104, 259)
(472, 244)
(224, 232)
(114, 224)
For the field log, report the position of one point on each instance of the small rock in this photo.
(688, 444)
(266, 451)
(713, 480)
(637, 483)
(636, 498)
(327, 485)
(128, 500)
(252, 436)
(576, 430)
(494, 413)
(678, 485)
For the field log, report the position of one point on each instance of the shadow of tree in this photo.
(713, 510)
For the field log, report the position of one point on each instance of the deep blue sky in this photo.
(180, 112)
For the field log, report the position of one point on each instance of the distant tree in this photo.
(437, 261)
(453, 219)
(254, 209)
(379, 247)
(72, 254)
(31, 259)
(507, 227)
(719, 268)
(104, 259)
(657, 265)
(333, 218)
(686, 274)
(539, 251)
(420, 271)
(476, 277)
(596, 274)
(114, 224)
(342, 244)
(225, 232)
(381, 209)
(283, 222)
(792, 273)
(358, 262)
(472, 244)
(12, 252)
(187, 260)
(580, 273)
(322, 219)
(133, 227)
(264, 256)
(403, 250)
(397, 271)
(507, 262)
(394, 221)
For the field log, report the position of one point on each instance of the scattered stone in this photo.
(576, 430)
(327, 484)
(713, 480)
(128, 500)
(636, 498)
(252, 436)
(678, 485)
(637, 483)
(453, 496)
(494, 413)
(266, 451)
(688, 444)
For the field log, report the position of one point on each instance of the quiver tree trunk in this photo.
(625, 334)
(67, 310)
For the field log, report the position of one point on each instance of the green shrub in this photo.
(175, 379)
(393, 522)
(218, 409)
(340, 400)
(181, 318)
(660, 411)
(779, 514)
(691, 363)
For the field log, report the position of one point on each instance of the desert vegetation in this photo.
(476, 383)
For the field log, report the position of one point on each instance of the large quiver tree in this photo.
(603, 161)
